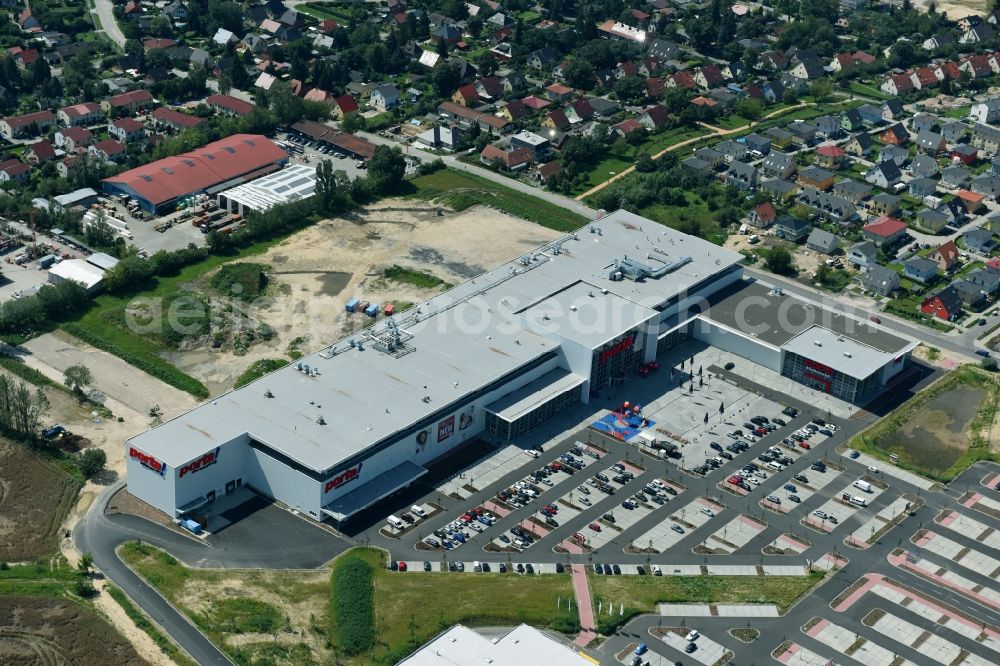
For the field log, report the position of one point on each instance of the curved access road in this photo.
(97, 534)
(105, 18)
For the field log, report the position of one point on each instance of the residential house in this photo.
(538, 146)
(980, 241)
(38, 152)
(663, 50)
(859, 144)
(779, 137)
(579, 110)
(72, 138)
(851, 120)
(515, 110)
(852, 191)
(953, 131)
(816, 177)
(930, 143)
(30, 124)
(924, 166)
(511, 160)
(791, 228)
(828, 205)
(969, 293)
(108, 150)
(778, 164)
(603, 107)
(128, 103)
(986, 184)
(779, 189)
(14, 171)
(885, 232)
(922, 187)
(897, 84)
(441, 137)
(884, 175)
(808, 69)
(863, 254)
(895, 154)
(708, 76)
(870, 114)
(762, 216)
(174, 120)
(977, 35)
(830, 156)
(385, 97)
(955, 176)
(543, 59)
(881, 280)
(986, 112)
(742, 176)
(973, 201)
(490, 88)
(987, 280)
(894, 135)
(732, 150)
(653, 117)
(924, 122)
(556, 120)
(822, 241)
(964, 153)
(935, 42)
(757, 143)
(946, 304)
(85, 113)
(931, 221)
(127, 130)
(986, 138)
(920, 269)
(466, 95)
(514, 83)
(697, 165)
(557, 92)
(892, 109)
(883, 204)
(828, 126)
(945, 255)
(801, 131)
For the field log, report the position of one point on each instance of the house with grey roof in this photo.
(742, 176)
(924, 122)
(732, 151)
(758, 142)
(881, 280)
(955, 176)
(827, 205)
(931, 221)
(822, 241)
(979, 240)
(923, 166)
(863, 254)
(791, 228)
(778, 189)
(922, 187)
(986, 184)
(801, 130)
(988, 281)
(883, 204)
(930, 143)
(895, 154)
(952, 131)
(986, 138)
(859, 144)
(884, 175)
(969, 293)
(778, 164)
(712, 156)
(698, 165)
(852, 190)
(921, 269)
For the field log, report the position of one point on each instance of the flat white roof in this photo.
(456, 343)
(551, 384)
(841, 352)
(78, 270)
(461, 646)
(294, 182)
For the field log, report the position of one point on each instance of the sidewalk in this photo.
(581, 590)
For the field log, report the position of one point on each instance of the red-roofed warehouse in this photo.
(159, 185)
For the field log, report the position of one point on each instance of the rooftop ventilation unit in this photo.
(320, 420)
(817, 343)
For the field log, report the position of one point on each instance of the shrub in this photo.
(258, 369)
(244, 281)
(354, 604)
(245, 616)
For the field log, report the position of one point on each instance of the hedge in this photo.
(354, 605)
(152, 366)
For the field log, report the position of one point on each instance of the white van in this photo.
(859, 501)
(417, 511)
(774, 466)
(395, 522)
(863, 485)
(744, 229)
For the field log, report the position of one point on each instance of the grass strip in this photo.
(144, 623)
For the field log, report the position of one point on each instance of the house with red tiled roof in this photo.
(343, 105)
(175, 120)
(87, 113)
(627, 68)
(108, 150)
(327, 26)
(157, 43)
(38, 152)
(512, 160)
(128, 103)
(885, 231)
(27, 124)
(924, 77)
(653, 117)
(897, 84)
(127, 130)
(556, 120)
(579, 110)
(946, 255)
(709, 76)
(763, 215)
(14, 170)
(535, 103)
(972, 201)
(72, 138)
(25, 58)
(682, 80)
(228, 105)
(627, 126)
(830, 156)
(978, 66)
(28, 21)
(466, 95)
(655, 87)
(895, 135)
(557, 92)
(514, 110)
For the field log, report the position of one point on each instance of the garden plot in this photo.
(969, 527)
(849, 643)
(873, 528)
(733, 535)
(663, 537)
(928, 644)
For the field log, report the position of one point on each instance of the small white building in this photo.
(522, 645)
(78, 270)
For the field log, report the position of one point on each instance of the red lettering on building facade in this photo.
(147, 460)
(346, 476)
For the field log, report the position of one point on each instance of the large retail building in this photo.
(354, 422)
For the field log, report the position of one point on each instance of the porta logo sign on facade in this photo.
(147, 460)
(346, 476)
(199, 464)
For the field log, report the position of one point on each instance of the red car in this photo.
(735, 479)
(478, 511)
(805, 445)
(579, 537)
(402, 566)
(760, 432)
(552, 507)
(595, 526)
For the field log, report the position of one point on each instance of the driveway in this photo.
(105, 15)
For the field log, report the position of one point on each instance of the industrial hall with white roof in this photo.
(358, 420)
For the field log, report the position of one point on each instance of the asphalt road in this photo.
(99, 536)
(105, 13)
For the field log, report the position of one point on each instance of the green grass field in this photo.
(866, 90)
(460, 190)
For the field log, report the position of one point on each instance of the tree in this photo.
(76, 377)
(287, 108)
(331, 189)
(821, 89)
(631, 89)
(386, 169)
(92, 462)
(352, 122)
(580, 74)
(779, 260)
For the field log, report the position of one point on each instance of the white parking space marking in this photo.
(928, 644)
(663, 536)
(735, 534)
(624, 519)
(970, 527)
(901, 474)
(868, 530)
(969, 558)
(796, 655)
(708, 652)
(817, 481)
(838, 508)
(488, 470)
(864, 651)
